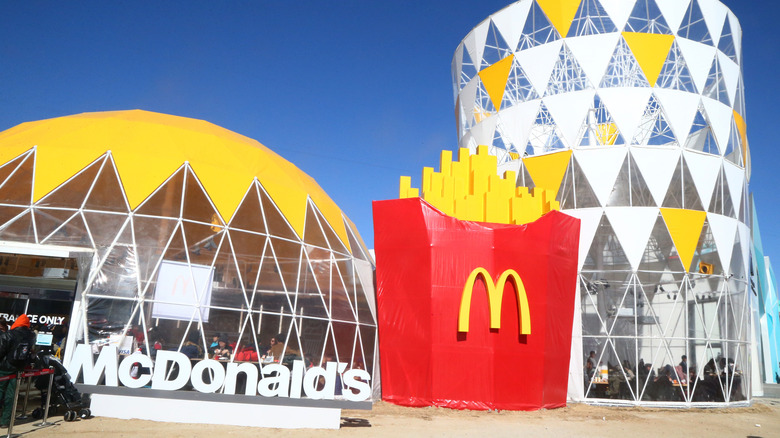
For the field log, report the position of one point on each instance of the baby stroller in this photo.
(63, 391)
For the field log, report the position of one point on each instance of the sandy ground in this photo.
(386, 420)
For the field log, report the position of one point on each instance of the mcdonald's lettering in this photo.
(495, 293)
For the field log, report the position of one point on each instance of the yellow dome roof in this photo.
(148, 147)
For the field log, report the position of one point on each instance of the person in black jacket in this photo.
(19, 333)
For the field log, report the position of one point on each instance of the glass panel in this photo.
(275, 222)
(249, 215)
(197, 205)
(73, 233)
(17, 188)
(166, 201)
(107, 194)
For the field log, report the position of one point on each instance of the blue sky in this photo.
(355, 93)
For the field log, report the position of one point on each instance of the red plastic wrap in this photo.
(424, 259)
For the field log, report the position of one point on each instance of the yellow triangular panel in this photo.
(548, 171)
(148, 147)
(742, 127)
(560, 13)
(651, 51)
(685, 228)
(607, 133)
(494, 78)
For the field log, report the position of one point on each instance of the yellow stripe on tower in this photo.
(685, 228)
(560, 13)
(548, 171)
(651, 51)
(494, 78)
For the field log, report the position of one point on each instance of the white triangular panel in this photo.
(680, 108)
(618, 10)
(673, 11)
(744, 237)
(724, 231)
(601, 168)
(730, 71)
(632, 226)
(483, 132)
(511, 20)
(593, 53)
(538, 63)
(475, 43)
(468, 97)
(518, 119)
(698, 58)
(736, 32)
(627, 106)
(714, 13)
(657, 166)
(589, 224)
(720, 117)
(704, 170)
(736, 181)
(457, 68)
(569, 111)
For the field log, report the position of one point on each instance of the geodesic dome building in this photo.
(633, 113)
(180, 231)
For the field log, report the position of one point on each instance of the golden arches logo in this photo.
(495, 293)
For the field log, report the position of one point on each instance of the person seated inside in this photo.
(277, 348)
(222, 351)
(191, 349)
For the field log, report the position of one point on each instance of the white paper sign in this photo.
(178, 287)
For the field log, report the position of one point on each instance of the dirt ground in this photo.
(762, 419)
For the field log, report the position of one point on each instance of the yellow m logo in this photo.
(495, 293)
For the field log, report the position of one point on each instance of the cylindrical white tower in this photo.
(633, 111)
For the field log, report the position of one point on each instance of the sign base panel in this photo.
(206, 412)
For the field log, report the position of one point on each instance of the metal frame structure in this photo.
(646, 98)
(314, 288)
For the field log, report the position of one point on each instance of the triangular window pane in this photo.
(107, 193)
(691, 200)
(538, 29)
(10, 166)
(166, 200)
(203, 241)
(591, 19)
(117, 275)
(653, 129)
(228, 287)
(585, 196)
(249, 215)
(640, 193)
(647, 18)
(567, 75)
(518, 87)
(21, 229)
(566, 192)
(733, 151)
(726, 44)
(693, 25)
(602, 129)
(621, 191)
(701, 137)
(544, 135)
(715, 87)
(197, 205)
(312, 232)
(104, 227)
(468, 69)
(660, 256)
(151, 235)
(623, 69)
(707, 251)
(46, 220)
(73, 233)
(605, 252)
(334, 241)
(716, 204)
(17, 188)
(496, 47)
(675, 74)
(673, 198)
(275, 222)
